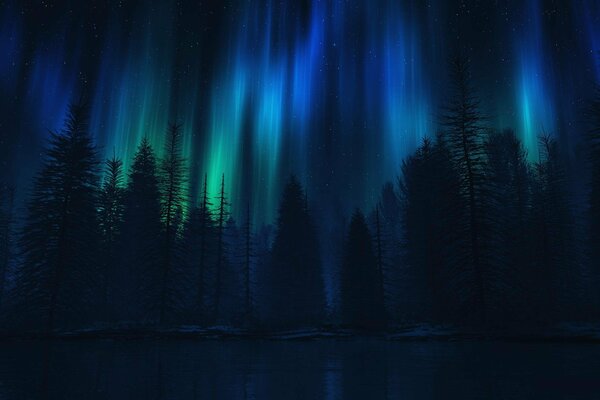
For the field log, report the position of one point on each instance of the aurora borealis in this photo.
(337, 92)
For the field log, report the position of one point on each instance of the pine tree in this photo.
(264, 278)
(206, 226)
(509, 178)
(379, 247)
(139, 275)
(110, 218)
(593, 141)
(465, 137)
(381, 242)
(59, 238)
(296, 285)
(173, 201)
(232, 307)
(555, 260)
(7, 195)
(361, 291)
(248, 255)
(198, 239)
(222, 215)
(432, 208)
(388, 237)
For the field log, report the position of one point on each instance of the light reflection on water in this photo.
(317, 369)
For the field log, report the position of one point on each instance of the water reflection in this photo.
(322, 369)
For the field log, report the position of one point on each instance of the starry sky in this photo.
(337, 92)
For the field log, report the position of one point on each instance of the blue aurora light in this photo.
(337, 92)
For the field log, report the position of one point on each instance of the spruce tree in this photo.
(555, 268)
(139, 276)
(59, 238)
(198, 238)
(379, 247)
(206, 226)
(7, 194)
(387, 224)
(232, 307)
(510, 193)
(296, 293)
(432, 208)
(593, 140)
(173, 202)
(110, 218)
(110, 208)
(464, 135)
(361, 290)
(248, 256)
(221, 218)
(264, 279)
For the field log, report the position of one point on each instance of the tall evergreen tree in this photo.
(205, 229)
(465, 137)
(361, 290)
(594, 194)
(556, 279)
(59, 238)
(173, 201)
(139, 275)
(7, 195)
(388, 235)
(296, 284)
(221, 218)
(432, 208)
(110, 218)
(379, 247)
(263, 294)
(248, 256)
(232, 308)
(510, 193)
(198, 238)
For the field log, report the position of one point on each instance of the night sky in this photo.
(338, 92)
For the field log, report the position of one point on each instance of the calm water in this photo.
(322, 369)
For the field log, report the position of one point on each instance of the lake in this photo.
(313, 369)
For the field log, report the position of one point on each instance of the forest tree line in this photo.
(471, 234)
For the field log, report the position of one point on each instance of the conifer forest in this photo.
(381, 179)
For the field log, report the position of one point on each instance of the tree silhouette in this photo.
(172, 179)
(263, 276)
(221, 217)
(510, 193)
(555, 262)
(59, 238)
(296, 284)
(473, 234)
(379, 248)
(140, 272)
(464, 135)
(198, 238)
(387, 222)
(110, 219)
(361, 290)
(206, 225)
(7, 219)
(432, 208)
(232, 306)
(593, 141)
(248, 256)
